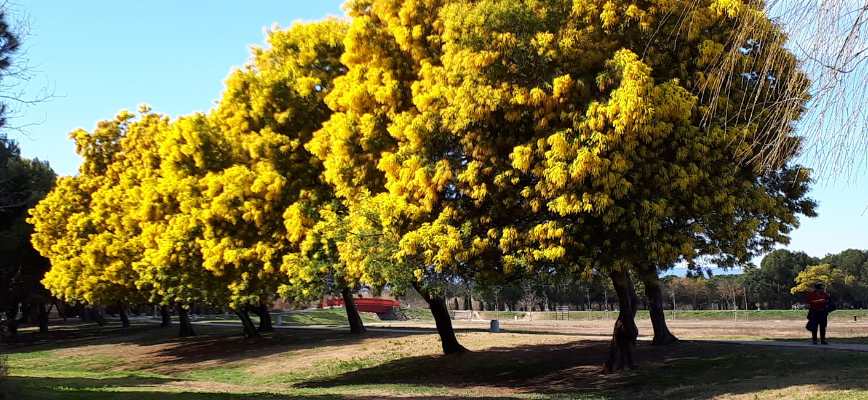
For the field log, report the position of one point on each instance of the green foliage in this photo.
(23, 183)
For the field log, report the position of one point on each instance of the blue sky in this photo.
(98, 57)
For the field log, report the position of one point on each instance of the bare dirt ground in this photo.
(685, 329)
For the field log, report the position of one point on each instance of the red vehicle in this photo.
(384, 308)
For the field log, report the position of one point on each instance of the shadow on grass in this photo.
(691, 369)
(63, 334)
(42, 388)
(525, 366)
(863, 340)
(161, 349)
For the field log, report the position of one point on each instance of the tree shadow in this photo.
(32, 388)
(135, 388)
(534, 366)
(690, 369)
(66, 333)
(160, 349)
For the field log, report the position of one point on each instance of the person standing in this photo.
(819, 306)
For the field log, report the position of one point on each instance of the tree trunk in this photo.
(654, 294)
(122, 312)
(355, 320)
(166, 318)
(83, 313)
(437, 304)
(63, 312)
(43, 318)
(26, 313)
(98, 316)
(625, 332)
(264, 317)
(12, 322)
(184, 322)
(249, 328)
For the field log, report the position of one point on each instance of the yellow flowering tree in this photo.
(510, 136)
(114, 245)
(317, 267)
(831, 277)
(171, 204)
(631, 171)
(86, 226)
(264, 209)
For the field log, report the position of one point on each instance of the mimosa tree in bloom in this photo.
(498, 136)
(171, 269)
(88, 226)
(832, 278)
(270, 199)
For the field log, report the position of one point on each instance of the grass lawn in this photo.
(146, 362)
(327, 316)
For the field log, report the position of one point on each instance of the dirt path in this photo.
(799, 345)
(778, 333)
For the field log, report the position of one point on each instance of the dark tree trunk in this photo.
(355, 320)
(26, 313)
(166, 318)
(184, 322)
(97, 316)
(122, 313)
(62, 311)
(264, 317)
(83, 313)
(625, 332)
(247, 323)
(43, 318)
(437, 304)
(654, 294)
(12, 322)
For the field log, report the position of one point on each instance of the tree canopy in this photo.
(430, 142)
(503, 136)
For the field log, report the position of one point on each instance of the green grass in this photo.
(417, 314)
(327, 316)
(759, 373)
(538, 370)
(50, 363)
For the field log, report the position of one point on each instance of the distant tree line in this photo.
(779, 282)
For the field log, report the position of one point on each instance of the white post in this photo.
(673, 304)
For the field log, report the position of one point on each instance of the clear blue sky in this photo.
(102, 56)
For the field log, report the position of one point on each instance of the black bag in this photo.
(812, 322)
(830, 305)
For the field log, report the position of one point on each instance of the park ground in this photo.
(312, 357)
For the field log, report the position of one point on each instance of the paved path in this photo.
(856, 347)
(323, 327)
(796, 345)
